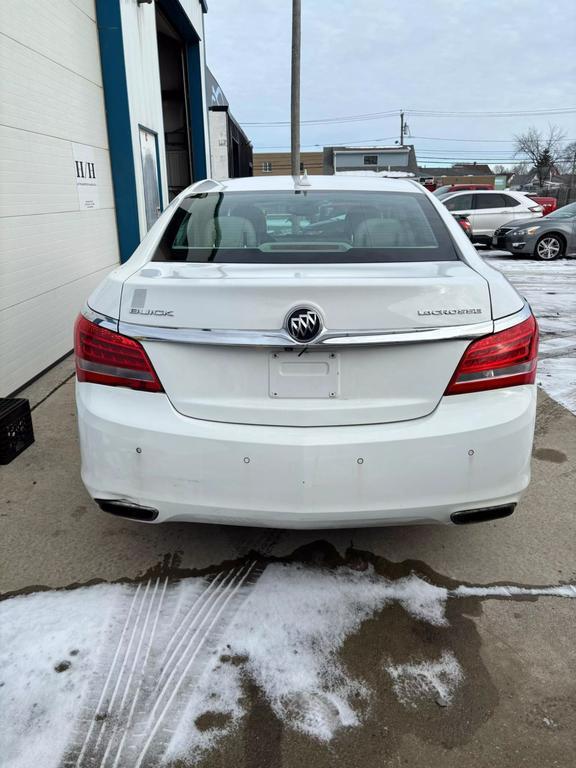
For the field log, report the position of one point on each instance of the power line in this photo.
(479, 141)
(486, 113)
(322, 120)
(434, 158)
(332, 143)
(415, 113)
(284, 147)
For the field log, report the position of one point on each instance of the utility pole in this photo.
(295, 89)
(401, 128)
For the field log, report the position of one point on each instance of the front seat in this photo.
(377, 233)
(230, 232)
(255, 216)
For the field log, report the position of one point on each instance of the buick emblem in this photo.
(303, 324)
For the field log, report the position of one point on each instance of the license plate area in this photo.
(304, 374)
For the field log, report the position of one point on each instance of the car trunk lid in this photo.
(182, 312)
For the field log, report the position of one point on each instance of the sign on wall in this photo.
(86, 173)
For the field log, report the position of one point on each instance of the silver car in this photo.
(552, 237)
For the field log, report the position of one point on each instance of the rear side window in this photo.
(510, 202)
(459, 203)
(491, 201)
(306, 227)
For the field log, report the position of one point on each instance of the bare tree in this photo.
(521, 168)
(568, 162)
(545, 151)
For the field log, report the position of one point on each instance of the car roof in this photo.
(321, 183)
(483, 192)
(480, 191)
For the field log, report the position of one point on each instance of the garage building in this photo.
(104, 120)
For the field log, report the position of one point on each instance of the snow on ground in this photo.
(155, 672)
(557, 377)
(437, 680)
(312, 612)
(550, 289)
(561, 590)
(39, 635)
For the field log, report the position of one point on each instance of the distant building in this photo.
(343, 159)
(230, 148)
(339, 160)
(464, 173)
(279, 163)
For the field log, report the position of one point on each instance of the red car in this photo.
(464, 222)
(459, 187)
(548, 204)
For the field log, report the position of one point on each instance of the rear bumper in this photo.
(472, 452)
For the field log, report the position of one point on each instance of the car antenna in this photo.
(304, 181)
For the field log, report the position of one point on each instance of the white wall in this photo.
(144, 92)
(218, 144)
(139, 36)
(52, 253)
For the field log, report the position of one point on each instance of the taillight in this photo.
(106, 357)
(535, 208)
(504, 359)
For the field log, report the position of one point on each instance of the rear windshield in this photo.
(306, 227)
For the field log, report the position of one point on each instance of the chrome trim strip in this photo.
(511, 320)
(280, 338)
(97, 317)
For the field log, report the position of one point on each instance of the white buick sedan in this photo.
(322, 352)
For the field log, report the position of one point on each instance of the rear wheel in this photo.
(549, 247)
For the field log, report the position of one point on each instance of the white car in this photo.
(488, 210)
(362, 366)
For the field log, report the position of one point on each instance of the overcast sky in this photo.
(367, 56)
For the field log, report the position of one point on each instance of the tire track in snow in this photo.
(176, 680)
(184, 622)
(110, 709)
(141, 678)
(153, 667)
(190, 635)
(94, 719)
(121, 723)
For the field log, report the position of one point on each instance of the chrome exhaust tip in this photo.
(127, 509)
(468, 516)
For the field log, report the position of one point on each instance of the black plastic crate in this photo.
(16, 432)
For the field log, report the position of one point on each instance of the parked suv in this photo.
(360, 365)
(488, 210)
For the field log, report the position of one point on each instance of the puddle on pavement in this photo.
(550, 454)
(444, 694)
